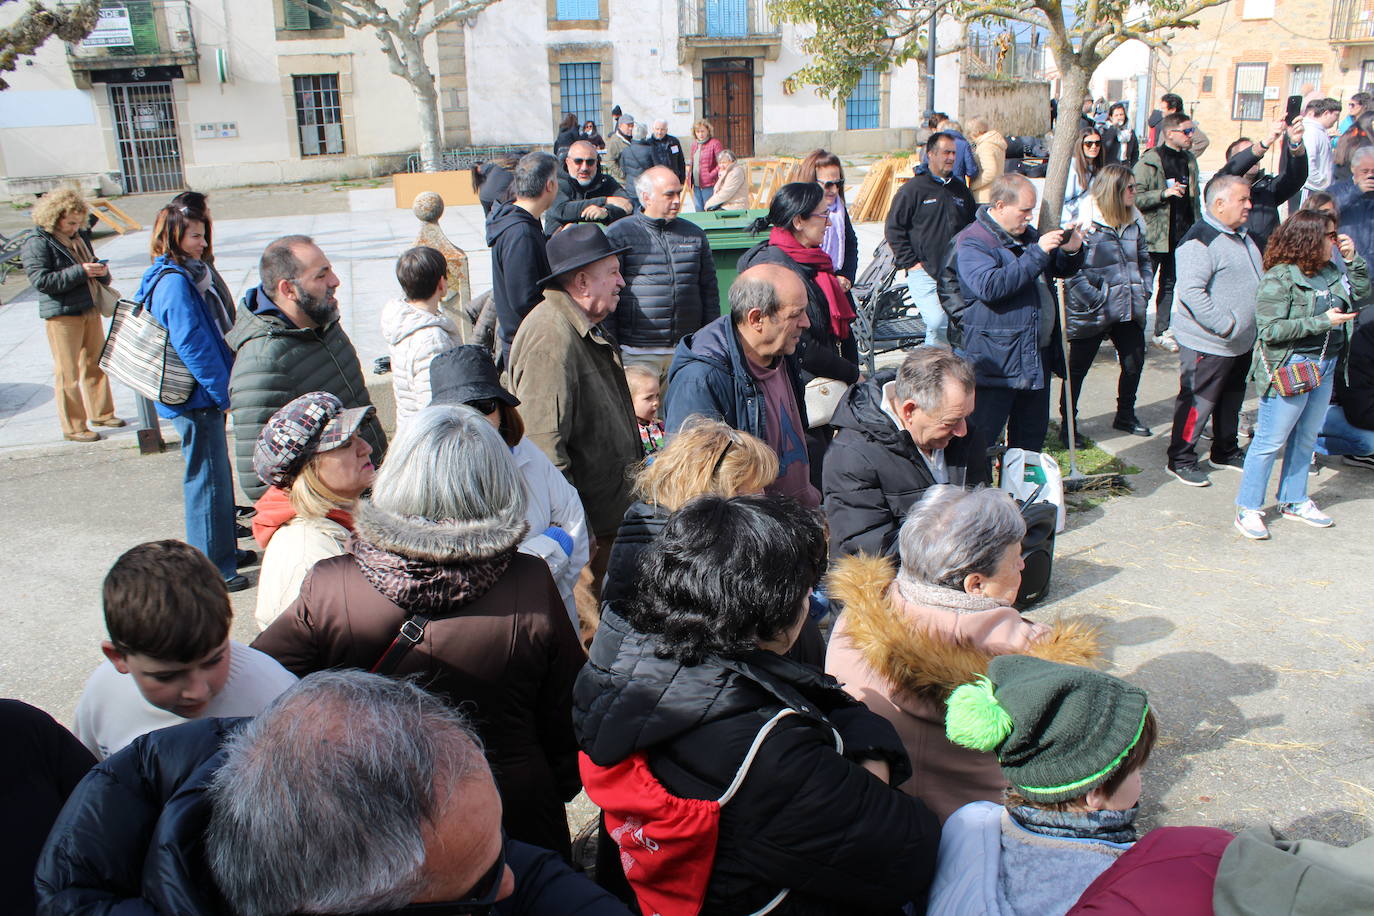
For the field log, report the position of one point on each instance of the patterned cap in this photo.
(312, 423)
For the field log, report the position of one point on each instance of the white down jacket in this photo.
(414, 338)
(552, 501)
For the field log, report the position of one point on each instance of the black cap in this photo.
(466, 374)
(577, 246)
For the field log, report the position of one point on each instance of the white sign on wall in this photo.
(112, 30)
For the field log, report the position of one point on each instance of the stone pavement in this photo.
(1257, 656)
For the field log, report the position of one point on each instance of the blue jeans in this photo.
(1341, 437)
(924, 296)
(1288, 425)
(701, 195)
(208, 487)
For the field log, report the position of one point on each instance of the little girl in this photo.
(643, 384)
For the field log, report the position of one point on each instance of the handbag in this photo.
(137, 353)
(822, 396)
(106, 300)
(1296, 378)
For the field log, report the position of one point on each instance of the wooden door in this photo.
(729, 102)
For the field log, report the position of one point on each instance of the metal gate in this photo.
(146, 130)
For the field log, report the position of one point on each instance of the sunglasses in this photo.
(1186, 131)
(831, 185)
(1092, 142)
(486, 406)
(583, 161)
(480, 900)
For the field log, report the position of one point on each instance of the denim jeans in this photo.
(700, 196)
(921, 286)
(1288, 425)
(1341, 437)
(208, 487)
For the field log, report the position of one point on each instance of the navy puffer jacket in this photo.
(670, 282)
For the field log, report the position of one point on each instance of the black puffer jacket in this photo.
(59, 280)
(874, 473)
(820, 352)
(1355, 383)
(670, 282)
(573, 198)
(1115, 282)
(806, 818)
(636, 159)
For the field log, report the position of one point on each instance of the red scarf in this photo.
(275, 511)
(841, 312)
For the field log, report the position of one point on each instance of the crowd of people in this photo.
(680, 553)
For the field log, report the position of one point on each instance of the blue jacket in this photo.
(966, 165)
(1000, 324)
(192, 331)
(709, 377)
(1357, 216)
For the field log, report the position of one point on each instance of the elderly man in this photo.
(1318, 120)
(1268, 192)
(1219, 269)
(670, 276)
(575, 404)
(1009, 316)
(668, 151)
(288, 342)
(1356, 201)
(518, 261)
(290, 813)
(1166, 193)
(585, 193)
(741, 369)
(898, 434)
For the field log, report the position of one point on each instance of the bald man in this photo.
(741, 369)
(585, 193)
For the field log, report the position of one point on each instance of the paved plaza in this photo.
(1257, 656)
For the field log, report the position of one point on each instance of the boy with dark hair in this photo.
(169, 656)
(416, 330)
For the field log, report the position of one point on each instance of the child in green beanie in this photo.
(1071, 742)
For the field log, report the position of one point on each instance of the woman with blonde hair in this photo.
(704, 167)
(63, 269)
(1109, 296)
(840, 241)
(990, 149)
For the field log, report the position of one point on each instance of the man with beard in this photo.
(288, 342)
(585, 193)
(1268, 192)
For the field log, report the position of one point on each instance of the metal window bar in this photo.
(861, 109)
(146, 137)
(1366, 75)
(578, 10)
(319, 114)
(468, 157)
(1248, 104)
(579, 89)
(1309, 75)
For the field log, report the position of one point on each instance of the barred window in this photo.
(861, 108)
(319, 114)
(1304, 78)
(579, 90)
(1248, 104)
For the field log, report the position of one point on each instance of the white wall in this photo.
(36, 139)
(804, 110)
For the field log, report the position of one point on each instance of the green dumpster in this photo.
(728, 233)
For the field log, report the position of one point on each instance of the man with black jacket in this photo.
(670, 277)
(926, 213)
(667, 150)
(585, 193)
(1268, 192)
(898, 434)
(518, 259)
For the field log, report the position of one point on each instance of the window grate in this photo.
(319, 114)
(146, 136)
(1305, 78)
(1248, 104)
(579, 90)
(861, 109)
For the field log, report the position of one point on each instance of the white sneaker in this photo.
(1250, 522)
(1306, 512)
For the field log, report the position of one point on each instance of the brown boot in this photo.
(88, 435)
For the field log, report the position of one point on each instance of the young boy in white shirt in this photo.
(169, 656)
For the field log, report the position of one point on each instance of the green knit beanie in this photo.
(1059, 731)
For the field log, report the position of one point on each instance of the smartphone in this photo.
(1294, 109)
(102, 260)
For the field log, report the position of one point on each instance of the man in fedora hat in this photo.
(567, 373)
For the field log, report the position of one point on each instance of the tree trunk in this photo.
(421, 80)
(1065, 138)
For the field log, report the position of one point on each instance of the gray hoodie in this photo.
(1219, 270)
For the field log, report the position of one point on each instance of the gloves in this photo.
(561, 538)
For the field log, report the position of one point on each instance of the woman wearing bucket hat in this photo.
(558, 526)
(316, 466)
(1071, 742)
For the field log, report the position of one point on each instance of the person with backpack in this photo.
(733, 779)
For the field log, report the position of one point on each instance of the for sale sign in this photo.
(112, 30)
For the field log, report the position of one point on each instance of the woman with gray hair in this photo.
(432, 585)
(909, 636)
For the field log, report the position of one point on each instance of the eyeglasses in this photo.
(831, 185)
(486, 406)
(480, 900)
(591, 161)
(1333, 236)
(822, 215)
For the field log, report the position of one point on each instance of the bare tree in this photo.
(69, 22)
(1080, 36)
(402, 35)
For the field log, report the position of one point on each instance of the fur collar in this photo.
(916, 660)
(436, 541)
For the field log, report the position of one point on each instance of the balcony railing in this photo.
(727, 20)
(1352, 21)
(137, 33)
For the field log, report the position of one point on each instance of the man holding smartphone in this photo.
(1166, 193)
(1319, 118)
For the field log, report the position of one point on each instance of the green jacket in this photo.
(1291, 307)
(1151, 202)
(275, 364)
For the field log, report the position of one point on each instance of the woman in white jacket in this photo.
(415, 330)
(558, 527)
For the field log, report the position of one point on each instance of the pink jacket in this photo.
(709, 169)
(902, 660)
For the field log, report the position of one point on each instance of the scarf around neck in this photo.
(833, 241)
(1109, 826)
(841, 312)
(423, 586)
(949, 599)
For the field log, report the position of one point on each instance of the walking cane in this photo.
(1076, 480)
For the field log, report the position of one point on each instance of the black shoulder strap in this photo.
(408, 637)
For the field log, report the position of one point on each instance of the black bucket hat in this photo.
(466, 374)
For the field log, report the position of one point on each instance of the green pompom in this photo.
(974, 718)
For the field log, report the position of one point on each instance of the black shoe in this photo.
(245, 558)
(244, 512)
(1190, 474)
(1078, 441)
(236, 583)
(242, 531)
(1131, 425)
(1233, 462)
